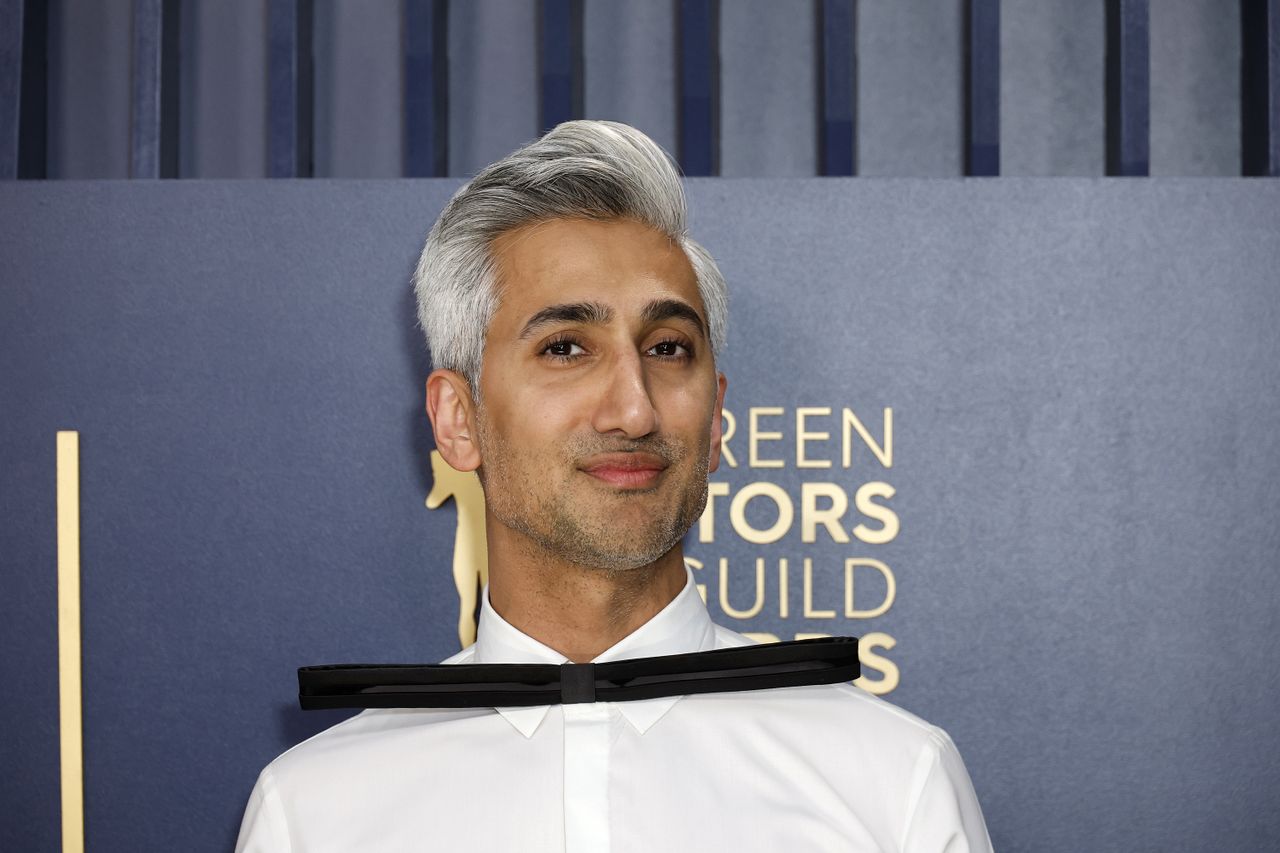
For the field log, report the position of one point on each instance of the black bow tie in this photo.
(496, 685)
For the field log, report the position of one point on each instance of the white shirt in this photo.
(821, 768)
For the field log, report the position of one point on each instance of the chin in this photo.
(623, 547)
(624, 562)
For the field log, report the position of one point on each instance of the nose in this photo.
(625, 405)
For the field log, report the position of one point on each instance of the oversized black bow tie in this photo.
(496, 685)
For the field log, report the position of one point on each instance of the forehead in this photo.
(620, 262)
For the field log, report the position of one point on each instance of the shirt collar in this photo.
(682, 626)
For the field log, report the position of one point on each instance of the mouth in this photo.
(625, 470)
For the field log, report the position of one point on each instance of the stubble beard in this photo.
(570, 524)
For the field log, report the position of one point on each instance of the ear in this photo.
(717, 423)
(452, 412)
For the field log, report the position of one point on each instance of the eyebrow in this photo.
(585, 313)
(673, 309)
(596, 314)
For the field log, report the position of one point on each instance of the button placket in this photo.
(586, 777)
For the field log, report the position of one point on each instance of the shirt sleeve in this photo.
(943, 815)
(264, 829)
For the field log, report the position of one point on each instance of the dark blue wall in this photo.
(1085, 461)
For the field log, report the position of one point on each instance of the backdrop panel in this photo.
(1019, 435)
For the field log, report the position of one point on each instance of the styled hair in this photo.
(580, 170)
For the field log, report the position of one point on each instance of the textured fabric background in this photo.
(1085, 460)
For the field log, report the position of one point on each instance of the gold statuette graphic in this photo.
(470, 550)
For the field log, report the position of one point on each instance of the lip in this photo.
(625, 470)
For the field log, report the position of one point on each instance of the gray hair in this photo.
(579, 170)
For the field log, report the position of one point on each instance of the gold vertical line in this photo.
(69, 707)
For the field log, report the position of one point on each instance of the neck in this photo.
(580, 611)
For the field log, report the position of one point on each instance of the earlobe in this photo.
(451, 410)
(717, 424)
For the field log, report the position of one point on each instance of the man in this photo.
(574, 327)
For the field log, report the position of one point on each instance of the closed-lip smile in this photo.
(625, 470)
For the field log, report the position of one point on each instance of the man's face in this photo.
(600, 403)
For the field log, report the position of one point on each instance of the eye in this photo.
(563, 349)
(671, 350)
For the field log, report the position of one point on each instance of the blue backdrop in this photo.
(1068, 507)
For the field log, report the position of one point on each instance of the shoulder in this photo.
(375, 735)
(843, 736)
(358, 773)
(843, 709)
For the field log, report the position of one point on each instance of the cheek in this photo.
(563, 403)
(687, 414)
(542, 421)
